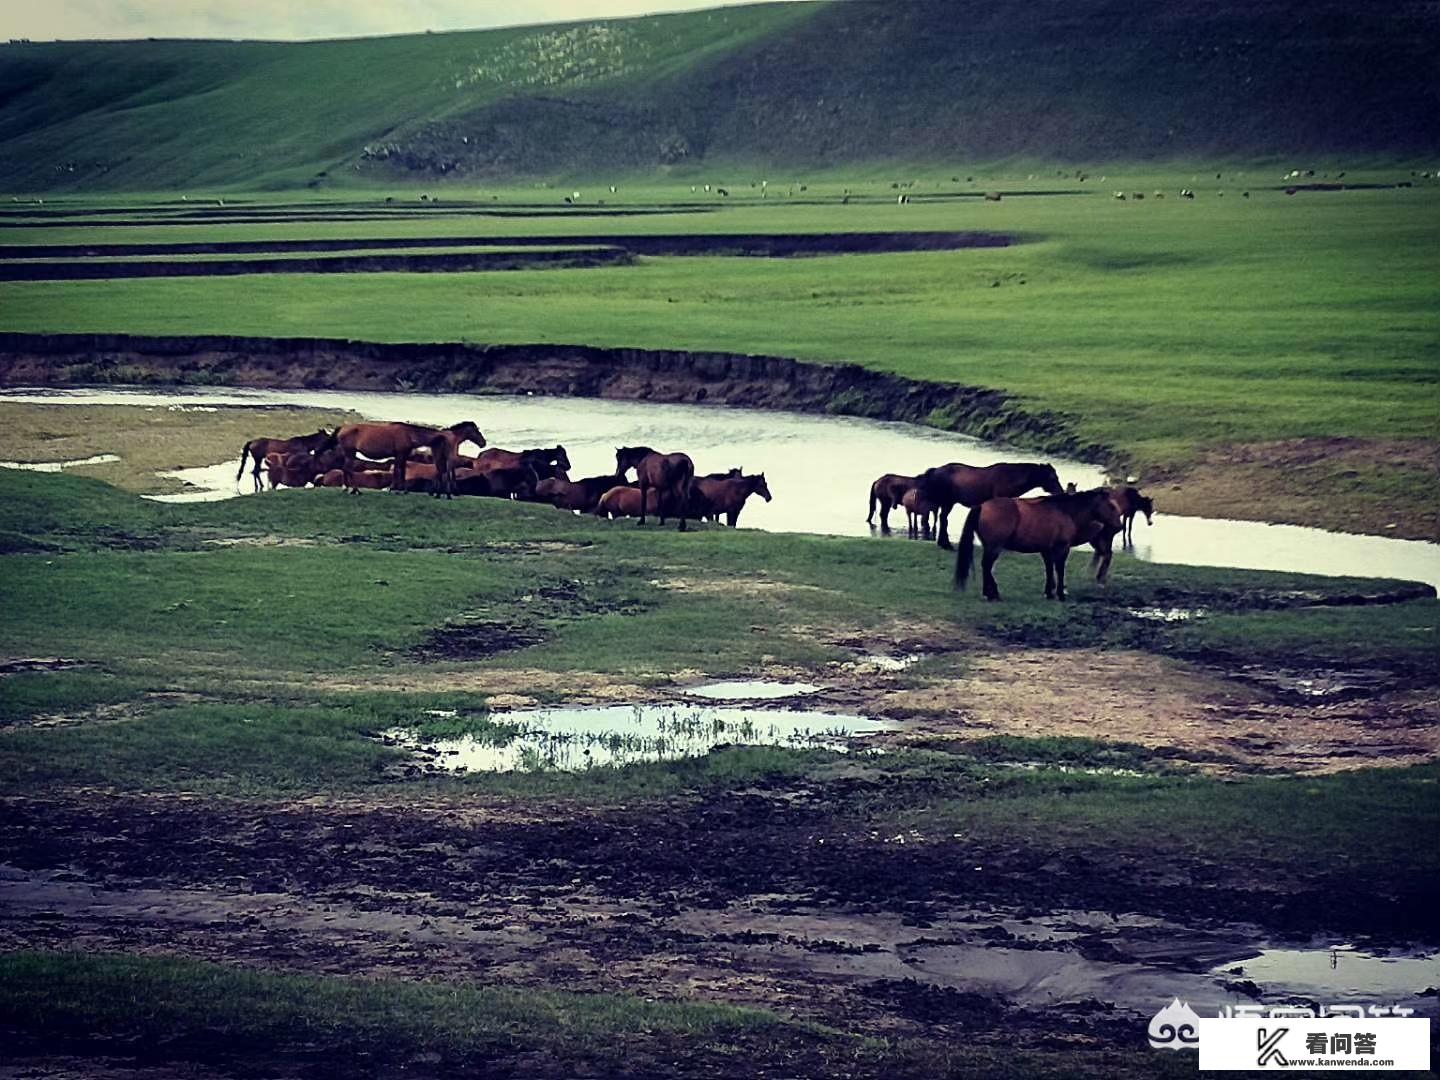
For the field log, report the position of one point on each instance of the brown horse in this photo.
(919, 514)
(579, 496)
(888, 491)
(728, 496)
(509, 482)
(374, 479)
(397, 441)
(624, 501)
(1049, 527)
(297, 470)
(1130, 502)
(669, 474)
(547, 463)
(968, 485)
(260, 449)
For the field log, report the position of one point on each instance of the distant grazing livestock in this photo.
(259, 449)
(1120, 195)
(622, 501)
(1186, 193)
(886, 492)
(992, 196)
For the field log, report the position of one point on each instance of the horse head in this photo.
(560, 458)
(758, 486)
(627, 457)
(1047, 478)
(1147, 506)
(467, 429)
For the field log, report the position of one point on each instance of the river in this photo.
(819, 468)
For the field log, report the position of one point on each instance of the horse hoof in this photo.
(946, 545)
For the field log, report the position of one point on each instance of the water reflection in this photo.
(572, 739)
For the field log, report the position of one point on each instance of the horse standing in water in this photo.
(397, 441)
(728, 496)
(1049, 527)
(888, 491)
(969, 485)
(260, 449)
(1130, 502)
(669, 475)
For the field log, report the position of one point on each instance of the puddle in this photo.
(812, 464)
(751, 690)
(1155, 614)
(1343, 972)
(204, 484)
(572, 740)
(1322, 684)
(57, 466)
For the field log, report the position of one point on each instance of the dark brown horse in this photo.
(260, 449)
(728, 496)
(1130, 502)
(579, 495)
(508, 482)
(671, 475)
(1049, 527)
(397, 442)
(887, 491)
(969, 485)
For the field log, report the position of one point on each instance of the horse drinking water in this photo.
(1049, 527)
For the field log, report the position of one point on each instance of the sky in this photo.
(293, 20)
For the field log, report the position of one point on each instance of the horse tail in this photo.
(244, 453)
(870, 517)
(965, 549)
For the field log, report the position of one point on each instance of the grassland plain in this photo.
(191, 772)
(1259, 353)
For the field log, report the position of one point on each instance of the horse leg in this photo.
(644, 495)
(885, 505)
(1049, 575)
(1060, 554)
(944, 530)
(987, 570)
(1100, 561)
(732, 518)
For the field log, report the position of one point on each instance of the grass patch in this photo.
(27, 694)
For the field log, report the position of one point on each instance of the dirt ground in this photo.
(1323, 482)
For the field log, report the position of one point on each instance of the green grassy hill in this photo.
(823, 85)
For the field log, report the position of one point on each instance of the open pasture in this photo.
(221, 724)
(1276, 344)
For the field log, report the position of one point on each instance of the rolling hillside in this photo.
(822, 85)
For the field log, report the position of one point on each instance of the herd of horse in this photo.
(413, 457)
(1049, 525)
